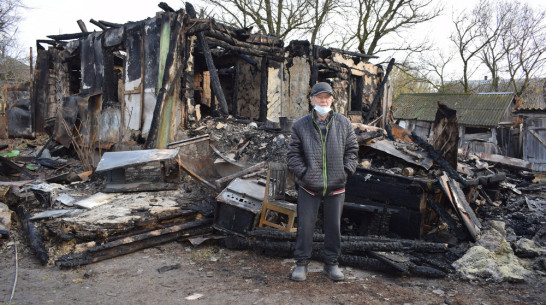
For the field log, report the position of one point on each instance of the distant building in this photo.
(485, 120)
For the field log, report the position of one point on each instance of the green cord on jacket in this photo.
(324, 163)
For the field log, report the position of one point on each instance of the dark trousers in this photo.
(308, 207)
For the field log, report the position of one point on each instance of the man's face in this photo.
(322, 99)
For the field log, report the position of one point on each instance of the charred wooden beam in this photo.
(263, 90)
(241, 50)
(8, 163)
(97, 23)
(395, 261)
(164, 6)
(446, 133)
(110, 24)
(198, 25)
(33, 235)
(370, 245)
(69, 36)
(314, 66)
(248, 59)
(214, 79)
(431, 262)
(129, 244)
(229, 39)
(379, 92)
(444, 215)
(82, 26)
(286, 250)
(235, 96)
(437, 157)
(364, 263)
(270, 233)
(361, 55)
(222, 182)
(327, 67)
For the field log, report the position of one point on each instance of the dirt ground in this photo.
(210, 274)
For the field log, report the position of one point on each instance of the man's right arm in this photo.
(295, 158)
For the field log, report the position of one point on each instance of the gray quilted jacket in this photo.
(321, 162)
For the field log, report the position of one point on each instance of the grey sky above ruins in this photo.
(52, 17)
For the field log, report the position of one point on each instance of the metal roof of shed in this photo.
(472, 109)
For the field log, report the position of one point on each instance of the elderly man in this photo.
(322, 153)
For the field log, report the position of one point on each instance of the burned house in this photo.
(143, 83)
(486, 123)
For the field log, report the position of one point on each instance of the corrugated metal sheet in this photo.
(484, 110)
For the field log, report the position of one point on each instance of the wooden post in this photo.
(215, 80)
(82, 26)
(263, 90)
(234, 103)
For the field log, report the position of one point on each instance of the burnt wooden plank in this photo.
(129, 244)
(139, 187)
(33, 234)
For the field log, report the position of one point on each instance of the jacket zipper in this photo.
(324, 166)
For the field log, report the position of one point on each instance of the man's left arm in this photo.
(351, 150)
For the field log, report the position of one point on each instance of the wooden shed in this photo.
(534, 136)
(486, 123)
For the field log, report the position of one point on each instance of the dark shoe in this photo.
(299, 274)
(333, 272)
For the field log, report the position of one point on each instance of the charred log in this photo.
(364, 263)
(444, 215)
(235, 95)
(130, 244)
(267, 233)
(82, 26)
(361, 55)
(241, 50)
(437, 157)
(97, 23)
(110, 24)
(33, 235)
(69, 36)
(263, 90)
(379, 92)
(9, 164)
(361, 246)
(164, 6)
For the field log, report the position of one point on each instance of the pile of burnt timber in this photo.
(397, 256)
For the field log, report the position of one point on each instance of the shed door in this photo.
(534, 143)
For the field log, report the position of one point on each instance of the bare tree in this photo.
(281, 18)
(9, 19)
(371, 21)
(524, 44)
(493, 30)
(433, 69)
(469, 37)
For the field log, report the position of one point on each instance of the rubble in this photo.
(80, 236)
(198, 150)
(492, 258)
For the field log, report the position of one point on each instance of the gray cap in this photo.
(321, 87)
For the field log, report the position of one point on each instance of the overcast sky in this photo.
(49, 17)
